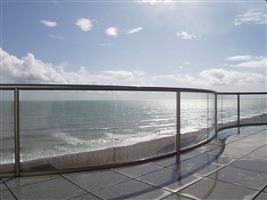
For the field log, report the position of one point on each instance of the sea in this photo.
(52, 127)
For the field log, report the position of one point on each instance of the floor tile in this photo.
(6, 195)
(177, 197)
(167, 161)
(190, 154)
(138, 170)
(58, 188)
(260, 153)
(210, 189)
(208, 170)
(96, 180)
(261, 196)
(85, 197)
(132, 190)
(240, 176)
(22, 181)
(168, 179)
(193, 166)
(2, 186)
(251, 164)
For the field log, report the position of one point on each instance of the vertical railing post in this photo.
(238, 109)
(16, 132)
(216, 112)
(238, 112)
(208, 116)
(178, 122)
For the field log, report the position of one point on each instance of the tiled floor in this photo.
(232, 167)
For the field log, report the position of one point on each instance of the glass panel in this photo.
(194, 115)
(7, 150)
(66, 129)
(211, 115)
(145, 124)
(227, 110)
(75, 129)
(253, 109)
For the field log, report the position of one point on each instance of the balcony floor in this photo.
(232, 167)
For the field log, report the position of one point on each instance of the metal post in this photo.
(208, 116)
(216, 114)
(16, 132)
(178, 122)
(238, 109)
(238, 112)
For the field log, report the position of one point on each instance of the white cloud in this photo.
(178, 78)
(185, 36)
(29, 69)
(156, 2)
(187, 63)
(251, 17)
(105, 44)
(48, 23)
(247, 61)
(239, 58)
(220, 76)
(112, 31)
(84, 24)
(135, 30)
(56, 37)
(259, 63)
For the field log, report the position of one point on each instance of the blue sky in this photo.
(199, 44)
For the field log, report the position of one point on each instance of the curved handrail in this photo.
(22, 87)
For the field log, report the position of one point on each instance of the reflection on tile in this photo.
(190, 154)
(261, 196)
(6, 195)
(85, 197)
(260, 153)
(240, 176)
(96, 180)
(208, 170)
(2, 186)
(132, 190)
(167, 161)
(21, 181)
(213, 189)
(177, 197)
(168, 179)
(58, 188)
(138, 170)
(251, 164)
(192, 166)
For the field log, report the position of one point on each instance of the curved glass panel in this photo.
(7, 149)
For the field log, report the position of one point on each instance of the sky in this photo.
(202, 44)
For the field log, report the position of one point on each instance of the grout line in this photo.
(238, 184)
(87, 192)
(32, 183)
(12, 193)
(262, 191)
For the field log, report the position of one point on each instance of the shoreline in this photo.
(120, 154)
